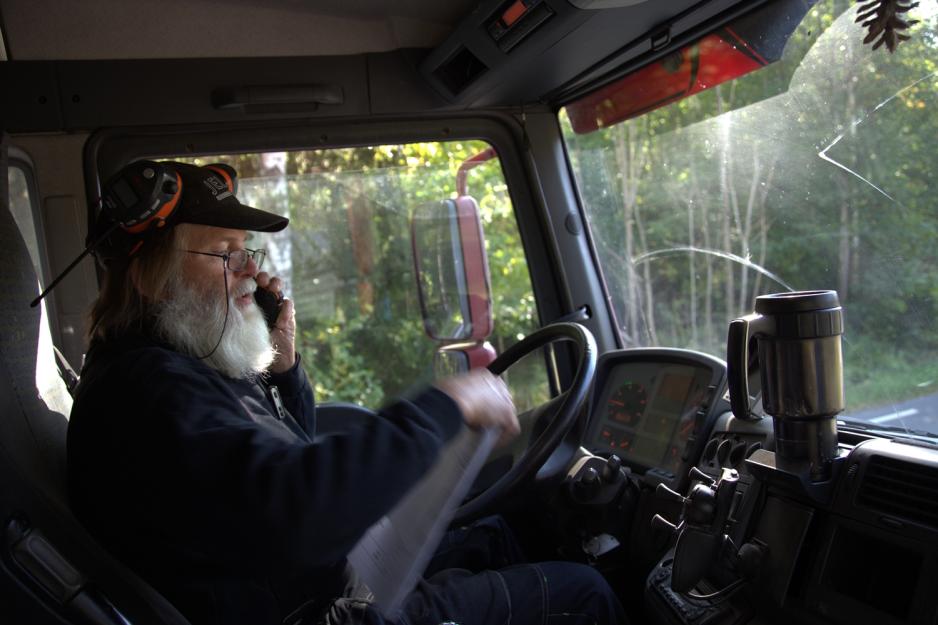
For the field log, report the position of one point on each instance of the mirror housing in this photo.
(452, 270)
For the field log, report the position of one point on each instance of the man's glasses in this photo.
(238, 259)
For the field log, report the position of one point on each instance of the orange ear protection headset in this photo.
(136, 201)
(142, 194)
(141, 198)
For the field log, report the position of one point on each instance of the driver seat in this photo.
(51, 569)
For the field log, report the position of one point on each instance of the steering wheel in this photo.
(570, 404)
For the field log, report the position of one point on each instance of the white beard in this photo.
(192, 322)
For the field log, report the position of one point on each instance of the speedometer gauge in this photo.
(627, 404)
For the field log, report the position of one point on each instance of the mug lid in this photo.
(796, 302)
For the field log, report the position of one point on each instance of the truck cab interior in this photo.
(702, 234)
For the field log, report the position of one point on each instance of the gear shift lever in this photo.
(701, 529)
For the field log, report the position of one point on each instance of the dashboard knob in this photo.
(700, 476)
(587, 484)
(611, 469)
(701, 506)
(663, 492)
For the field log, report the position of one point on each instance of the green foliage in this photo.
(875, 375)
(334, 349)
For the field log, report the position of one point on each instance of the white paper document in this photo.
(393, 553)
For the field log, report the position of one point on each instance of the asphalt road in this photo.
(919, 414)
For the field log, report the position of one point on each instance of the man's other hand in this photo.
(484, 400)
(283, 334)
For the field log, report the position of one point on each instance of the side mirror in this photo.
(452, 270)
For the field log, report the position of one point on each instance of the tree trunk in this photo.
(692, 271)
(646, 274)
(624, 166)
(763, 226)
(631, 158)
(844, 261)
(708, 265)
(751, 201)
(729, 292)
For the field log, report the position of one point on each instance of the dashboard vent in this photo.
(901, 489)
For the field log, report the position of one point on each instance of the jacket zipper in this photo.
(278, 402)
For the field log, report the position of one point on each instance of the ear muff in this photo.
(140, 198)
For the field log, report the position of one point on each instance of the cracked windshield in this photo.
(779, 153)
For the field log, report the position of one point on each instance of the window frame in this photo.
(18, 159)
(107, 150)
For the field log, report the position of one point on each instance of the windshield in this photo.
(814, 172)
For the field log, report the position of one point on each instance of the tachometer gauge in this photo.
(627, 404)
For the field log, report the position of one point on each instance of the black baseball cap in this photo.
(208, 199)
(146, 197)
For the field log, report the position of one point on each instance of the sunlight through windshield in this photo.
(811, 173)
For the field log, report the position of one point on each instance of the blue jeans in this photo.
(514, 593)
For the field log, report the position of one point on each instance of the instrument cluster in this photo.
(650, 405)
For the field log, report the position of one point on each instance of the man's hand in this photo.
(283, 335)
(484, 400)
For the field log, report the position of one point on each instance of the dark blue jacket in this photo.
(236, 515)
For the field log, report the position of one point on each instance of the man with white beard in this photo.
(192, 447)
(190, 318)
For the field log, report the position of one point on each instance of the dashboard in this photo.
(650, 406)
(860, 547)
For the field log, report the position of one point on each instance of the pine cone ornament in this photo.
(885, 20)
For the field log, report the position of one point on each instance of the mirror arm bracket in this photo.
(580, 314)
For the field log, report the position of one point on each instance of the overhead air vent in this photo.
(901, 489)
(459, 70)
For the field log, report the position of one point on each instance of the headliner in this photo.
(39, 30)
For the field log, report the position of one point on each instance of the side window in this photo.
(21, 205)
(347, 262)
(23, 201)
